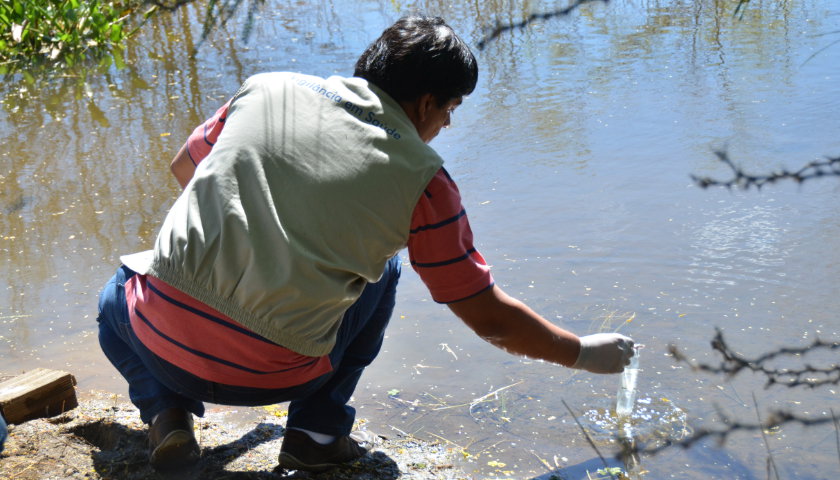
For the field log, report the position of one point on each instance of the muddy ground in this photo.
(103, 438)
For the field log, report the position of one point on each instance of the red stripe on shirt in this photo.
(210, 345)
(202, 139)
(440, 244)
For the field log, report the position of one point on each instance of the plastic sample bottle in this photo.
(626, 397)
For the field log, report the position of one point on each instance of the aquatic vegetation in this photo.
(62, 32)
(610, 472)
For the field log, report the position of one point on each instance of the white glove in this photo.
(604, 353)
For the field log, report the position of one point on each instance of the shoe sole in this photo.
(290, 462)
(177, 450)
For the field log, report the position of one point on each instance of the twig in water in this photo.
(771, 462)
(836, 431)
(445, 347)
(494, 393)
(588, 438)
(436, 398)
(420, 366)
(478, 400)
(629, 319)
(446, 440)
(463, 450)
(542, 460)
(820, 51)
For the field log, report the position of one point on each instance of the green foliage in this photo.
(61, 32)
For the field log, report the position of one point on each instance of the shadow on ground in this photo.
(121, 452)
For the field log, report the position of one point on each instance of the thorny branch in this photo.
(493, 33)
(742, 180)
(776, 418)
(733, 363)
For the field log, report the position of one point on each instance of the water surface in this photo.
(573, 157)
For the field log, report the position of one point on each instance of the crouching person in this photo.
(273, 276)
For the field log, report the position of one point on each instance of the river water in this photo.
(573, 156)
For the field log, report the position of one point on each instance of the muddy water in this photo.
(573, 157)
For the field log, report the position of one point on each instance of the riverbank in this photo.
(103, 438)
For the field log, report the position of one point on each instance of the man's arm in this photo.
(511, 325)
(182, 166)
(441, 250)
(198, 146)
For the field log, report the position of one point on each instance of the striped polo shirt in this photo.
(212, 346)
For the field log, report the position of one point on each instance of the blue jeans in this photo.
(319, 405)
(2, 432)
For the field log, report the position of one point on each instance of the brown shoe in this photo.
(300, 452)
(172, 442)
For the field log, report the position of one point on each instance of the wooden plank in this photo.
(36, 394)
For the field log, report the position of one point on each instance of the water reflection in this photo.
(740, 244)
(573, 157)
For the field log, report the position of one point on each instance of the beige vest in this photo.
(308, 191)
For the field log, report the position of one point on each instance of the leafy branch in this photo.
(56, 32)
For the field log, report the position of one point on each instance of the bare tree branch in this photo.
(776, 418)
(501, 28)
(742, 180)
(741, 7)
(217, 14)
(170, 5)
(733, 363)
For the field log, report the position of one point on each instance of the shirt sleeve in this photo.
(440, 244)
(202, 139)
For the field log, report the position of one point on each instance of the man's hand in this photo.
(604, 353)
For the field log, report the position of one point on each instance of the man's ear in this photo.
(425, 103)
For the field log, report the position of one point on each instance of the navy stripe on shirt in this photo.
(442, 223)
(445, 262)
(206, 315)
(212, 357)
(191, 157)
(208, 142)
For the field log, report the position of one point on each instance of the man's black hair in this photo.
(419, 55)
